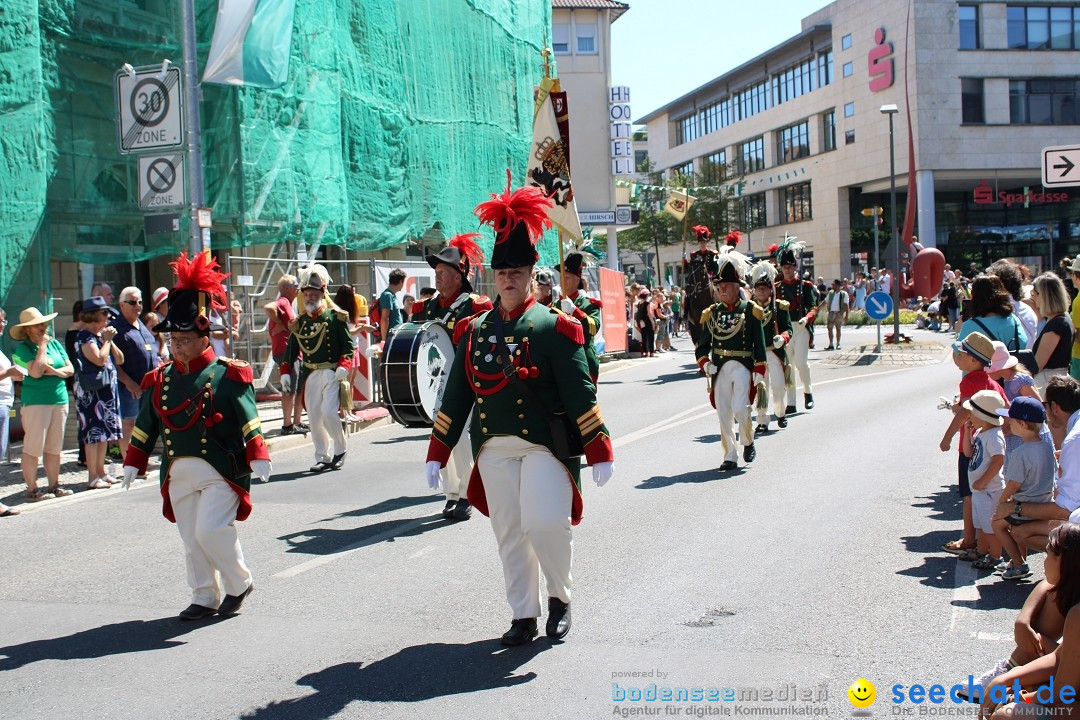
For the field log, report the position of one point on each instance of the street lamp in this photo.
(891, 110)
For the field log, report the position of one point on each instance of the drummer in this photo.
(454, 300)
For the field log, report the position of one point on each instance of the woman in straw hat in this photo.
(43, 366)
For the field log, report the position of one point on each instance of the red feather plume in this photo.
(525, 205)
(702, 231)
(467, 246)
(773, 249)
(202, 273)
(732, 238)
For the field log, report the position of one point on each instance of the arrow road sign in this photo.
(1059, 166)
(878, 305)
(149, 110)
(161, 181)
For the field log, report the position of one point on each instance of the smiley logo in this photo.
(862, 693)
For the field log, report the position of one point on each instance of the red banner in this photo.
(613, 295)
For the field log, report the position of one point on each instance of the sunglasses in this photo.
(133, 302)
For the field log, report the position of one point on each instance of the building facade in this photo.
(980, 87)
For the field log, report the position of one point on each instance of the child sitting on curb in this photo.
(1030, 478)
(986, 450)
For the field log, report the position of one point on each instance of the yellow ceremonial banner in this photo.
(549, 157)
(678, 204)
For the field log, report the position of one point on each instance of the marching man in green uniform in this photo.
(802, 299)
(321, 335)
(454, 301)
(523, 367)
(731, 349)
(203, 408)
(585, 309)
(776, 326)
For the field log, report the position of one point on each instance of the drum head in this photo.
(434, 357)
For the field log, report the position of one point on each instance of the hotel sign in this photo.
(622, 132)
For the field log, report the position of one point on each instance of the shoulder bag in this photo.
(565, 437)
(1024, 356)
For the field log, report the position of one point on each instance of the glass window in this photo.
(560, 38)
(849, 137)
(1038, 28)
(1041, 27)
(845, 42)
(753, 212)
(586, 38)
(971, 100)
(685, 170)
(825, 68)
(752, 155)
(849, 109)
(849, 69)
(969, 27)
(793, 142)
(714, 166)
(828, 124)
(1017, 35)
(1044, 102)
(796, 203)
(1061, 28)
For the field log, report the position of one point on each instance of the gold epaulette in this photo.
(706, 314)
(759, 313)
(341, 315)
(783, 304)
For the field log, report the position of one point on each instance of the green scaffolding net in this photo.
(398, 116)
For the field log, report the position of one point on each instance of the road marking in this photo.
(964, 591)
(349, 549)
(421, 552)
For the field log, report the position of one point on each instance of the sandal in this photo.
(970, 555)
(97, 484)
(986, 562)
(61, 492)
(38, 494)
(956, 547)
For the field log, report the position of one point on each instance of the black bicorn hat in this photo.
(461, 253)
(519, 219)
(789, 252)
(198, 290)
(574, 262)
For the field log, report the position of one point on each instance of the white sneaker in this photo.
(1003, 666)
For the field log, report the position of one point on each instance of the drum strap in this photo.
(454, 306)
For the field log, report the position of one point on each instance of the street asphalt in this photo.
(817, 565)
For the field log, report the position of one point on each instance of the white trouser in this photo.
(529, 497)
(731, 391)
(322, 398)
(455, 475)
(775, 381)
(798, 355)
(205, 509)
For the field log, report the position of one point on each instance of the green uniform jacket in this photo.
(732, 332)
(547, 345)
(588, 313)
(776, 320)
(205, 410)
(322, 339)
(801, 297)
(433, 309)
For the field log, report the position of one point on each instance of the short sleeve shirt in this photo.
(388, 301)
(47, 389)
(1034, 467)
(279, 341)
(984, 447)
(978, 380)
(138, 345)
(1061, 355)
(7, 390)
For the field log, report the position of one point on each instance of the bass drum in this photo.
(416, 362)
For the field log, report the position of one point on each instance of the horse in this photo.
(699, 296)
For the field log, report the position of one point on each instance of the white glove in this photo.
(432, 472)
(130, 471)
(778, 341)
(567, 306)
(261, 469)
(709, 369)
(802, 321)
(286, 383)
(601, 473)
(341, 373)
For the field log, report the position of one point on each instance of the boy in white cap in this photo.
(984, 446)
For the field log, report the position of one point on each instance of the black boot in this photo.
(558, 622)
(782, 422)
(808, 401)
(749, 453)
(231, 604)
(197, 612)
(790, 409)
(319, 467)
(337, 462)
(761, 429)
(463, 511)
(728, 465)
(448, 509)
(520, 632)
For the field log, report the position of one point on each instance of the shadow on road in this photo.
(936, 572)
(708, 438)
(401, 439)
(675, 377)
(930, 542)
(945, 504)
(413, 674)
(388, 506)
(327, 541)
(131, 636)
(1002, 595)
(696, 477)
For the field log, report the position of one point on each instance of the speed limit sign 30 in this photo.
(149, 109)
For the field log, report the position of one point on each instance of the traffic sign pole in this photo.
(197, 191)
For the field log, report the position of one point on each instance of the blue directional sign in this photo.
(878, 305)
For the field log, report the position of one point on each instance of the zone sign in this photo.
(149, 110)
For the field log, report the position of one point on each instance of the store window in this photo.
(796, 203)
(753, 212)
(586, 38)
(560, 38)
(968, 20)
(971, 100)
(752, 155)
(828, 125)
(1044, 101)
(793, 142)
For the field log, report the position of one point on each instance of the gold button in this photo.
(168, 442)
(211, 377)
(521, 416)
(164, 397)
(475, 367)
(480, 401)
(520, 401)
(203, 452)
(524, 339)
(167, 431)
(483, 430)
(171, 453)
(476, 384)
(202, 440)
(525, 432)
(477, 353)
(483, 416)
(207, 385)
